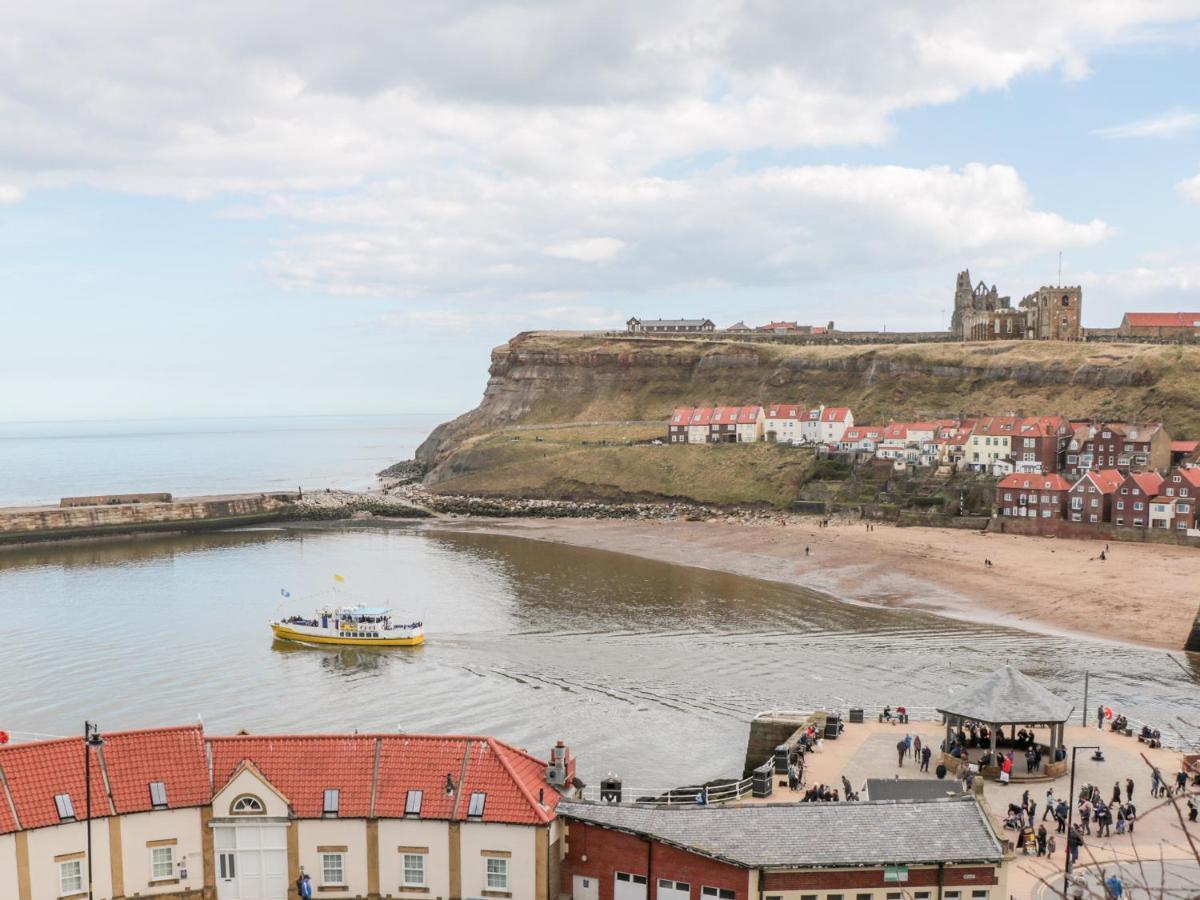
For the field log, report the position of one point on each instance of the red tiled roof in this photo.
(681, 415)
(511, 779)
(1149, 482)
(174, 756)
(748, 415)
(1164, 320)
(785, 411)
(835, 414)
(302, 767)
(1107, 480)
(37, 772)
(701, 415)
(1034, 482)
(996, 425)
(1184, 446)
(1192, 475)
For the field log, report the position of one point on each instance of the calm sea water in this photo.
(43, 461)
(649, 670)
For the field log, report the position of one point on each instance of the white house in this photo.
(177, 814)
(781, 423)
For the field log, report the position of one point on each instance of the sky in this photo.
(262, 208)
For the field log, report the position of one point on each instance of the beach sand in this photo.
(1142, 594)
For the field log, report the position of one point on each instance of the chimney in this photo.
(561, 768)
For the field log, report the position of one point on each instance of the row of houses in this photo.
(1107, 497)
(177, 814)
(998, 445)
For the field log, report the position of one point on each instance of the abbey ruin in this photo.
(1048, 314)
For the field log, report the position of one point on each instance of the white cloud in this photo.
(1167, 125)
(600, 249)
(10, 193)
(1190, 188)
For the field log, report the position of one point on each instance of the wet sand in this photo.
(1142, 594)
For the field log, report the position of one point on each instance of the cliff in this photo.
(543, 377)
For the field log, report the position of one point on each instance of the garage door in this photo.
(629, 887)
(252, 862)
(673, 890)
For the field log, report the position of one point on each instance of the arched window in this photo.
(247, 805)
(1066, 299)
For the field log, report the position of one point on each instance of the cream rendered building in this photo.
(179, 815)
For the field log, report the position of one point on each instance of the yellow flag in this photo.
(338, 578)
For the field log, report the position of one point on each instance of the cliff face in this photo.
(539, 378)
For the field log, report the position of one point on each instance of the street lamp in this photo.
(1070, 815)
(91, 741)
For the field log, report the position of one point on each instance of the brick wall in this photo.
(609, 852)
(1060, 528)
(867, 879)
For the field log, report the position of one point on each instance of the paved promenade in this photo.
(869, 751)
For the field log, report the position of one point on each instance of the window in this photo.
(634, 879)
(162, 863)
(862, 897)
(1120, 504)
(333, 868)
(247, 805)
(497, 874)
(952, 895)
(66, 811)
(979, 895)
(333, 800)
(666, 884)
(475, 806)
(412, 803)
(414, 869)
(719, 893)
(70, 877)
(158, 795)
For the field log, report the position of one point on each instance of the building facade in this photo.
(176, 814)
(669, 326)
(1091, 497)
(872, 849)
(1032, 496)
(1161, 326)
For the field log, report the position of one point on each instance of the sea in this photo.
(648, 670)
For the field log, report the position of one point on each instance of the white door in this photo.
(251, 862)
(629, 887)
(584, 887)
(673, 890)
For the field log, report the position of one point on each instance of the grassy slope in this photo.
(513, 464)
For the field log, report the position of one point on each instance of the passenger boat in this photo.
(352, 626)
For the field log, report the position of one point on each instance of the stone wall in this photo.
(50, 522)
(1061, 528)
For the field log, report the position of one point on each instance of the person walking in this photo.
(1074, 842)
(926, 753)
(1041, 840)
(1116, 800)
(1181, 782)
(1085, 816)
(305, 887)
(1049, 810)
(1060, 816)
(1129, 790)
(1104, 821)
(1155, 781)
(900, 748)
(1100, 717)
(1130, 815)
(1193, 811)
(916, 747)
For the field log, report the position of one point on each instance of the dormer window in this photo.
(66, 810)
(158, 795)
(333, 800)
(475, 806)
(412, 803)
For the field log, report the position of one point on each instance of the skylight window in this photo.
(333, 800)
(158, 795)
(66, 810)
(412, 803)
(475, 806)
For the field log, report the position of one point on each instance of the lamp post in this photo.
(1070, 815)
(91, 741)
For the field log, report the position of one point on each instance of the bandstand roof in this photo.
(1008, 696)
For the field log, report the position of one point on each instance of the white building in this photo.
(781, 423)
(176, 815)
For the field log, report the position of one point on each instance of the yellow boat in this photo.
(350, 626)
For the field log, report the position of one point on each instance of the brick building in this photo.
(1032, 496)
(878, 849)
(1117, 445)
(669, 326)
(1131, 504)
(1182, 485)
(1161, 326)
(1091, 497)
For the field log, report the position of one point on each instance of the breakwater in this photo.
(41, 523)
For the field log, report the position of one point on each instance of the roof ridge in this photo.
(106, 735)
(497, 746)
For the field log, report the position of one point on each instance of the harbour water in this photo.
(647, 669)
(43, 461)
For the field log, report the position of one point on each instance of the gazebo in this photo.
(1008, 697)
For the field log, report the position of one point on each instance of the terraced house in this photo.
(177, 814)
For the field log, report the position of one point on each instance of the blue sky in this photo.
(248, 210)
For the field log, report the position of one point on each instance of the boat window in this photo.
(158, 795)
(332, 801)
(475, 806)
(412, 804)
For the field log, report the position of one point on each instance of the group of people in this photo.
(921, 754)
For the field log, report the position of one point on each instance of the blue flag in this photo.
(284, 592)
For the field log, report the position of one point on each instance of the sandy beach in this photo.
(1142, 594)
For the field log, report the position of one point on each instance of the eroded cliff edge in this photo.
(547, 377)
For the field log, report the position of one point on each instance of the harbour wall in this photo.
(1101, 531)
(18, 525)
